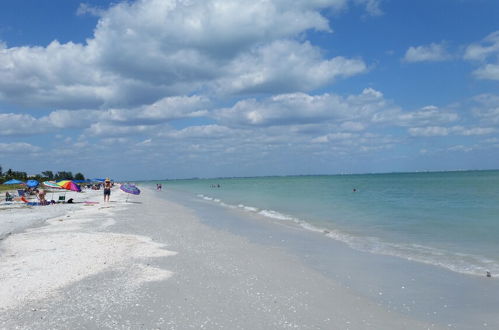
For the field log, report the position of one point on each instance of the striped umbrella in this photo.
(51, 184)
(69, 185)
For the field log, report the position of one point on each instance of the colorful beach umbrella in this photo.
(69, 185)
(130, 188)
(51, 184)
(13, 181)
(32, 183)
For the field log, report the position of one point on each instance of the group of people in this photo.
(41, 193)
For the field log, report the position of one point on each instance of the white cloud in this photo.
(85, 8)
(428, 115)
(300, 108)
(427, 53)
(429, 131)
(373, 7)
(201, 132)
(144, 50)
(487, 54)
(455, 130)
(475, 131)
(487, 108)
(353, 126)
(285, 65)
(107, 130)
(164, 110)
(487, 71)
(22, 124)
(461, 147)
(489, 46)
(334, 137)
(18, 147)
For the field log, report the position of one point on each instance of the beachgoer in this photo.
(160, 187)
(107, 189)
(41, 196)
(488, 274)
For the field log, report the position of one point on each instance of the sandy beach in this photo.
(152, 263)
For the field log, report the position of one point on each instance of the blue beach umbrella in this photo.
(32, 183)
(13, 181)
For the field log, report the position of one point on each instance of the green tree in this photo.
(63, 175)
(79, 176)
(48, 174)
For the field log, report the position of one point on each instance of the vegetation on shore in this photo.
(43, 176)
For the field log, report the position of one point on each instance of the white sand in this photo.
(35, 264)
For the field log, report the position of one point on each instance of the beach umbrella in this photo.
(51, 184)
(13, 181)
(69, 185)
(32, 183)
(130, 188)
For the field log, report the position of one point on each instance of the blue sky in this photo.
(152, 89)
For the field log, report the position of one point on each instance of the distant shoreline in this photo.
(310, 175)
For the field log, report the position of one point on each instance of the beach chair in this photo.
(21, 192)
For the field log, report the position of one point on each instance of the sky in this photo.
(158, 89)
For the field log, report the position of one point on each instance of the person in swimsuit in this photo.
(41, 196)
(107, 190)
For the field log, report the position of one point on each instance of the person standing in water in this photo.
(107, 189)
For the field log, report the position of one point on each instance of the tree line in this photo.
(44, 176)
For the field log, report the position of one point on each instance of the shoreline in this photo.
(476, 265)
(155, 263)
(428, 292)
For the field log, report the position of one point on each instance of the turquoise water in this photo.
(449, 219)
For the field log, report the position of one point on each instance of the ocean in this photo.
(447, 219)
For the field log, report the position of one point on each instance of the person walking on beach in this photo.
(107, 190)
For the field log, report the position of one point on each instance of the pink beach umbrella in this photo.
(69, 185)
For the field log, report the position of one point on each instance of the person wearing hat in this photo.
(107, 190)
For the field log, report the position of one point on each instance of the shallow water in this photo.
(449, 219)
